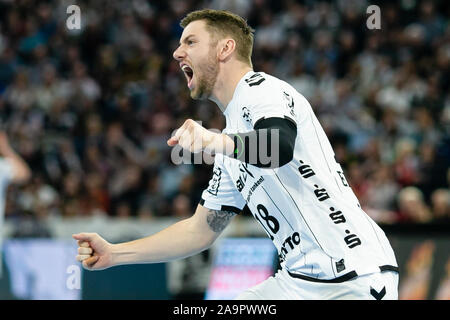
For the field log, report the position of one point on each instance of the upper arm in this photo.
(221, 193)
(211, 222)
(219, 203)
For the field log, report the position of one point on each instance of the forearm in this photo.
(177, 241)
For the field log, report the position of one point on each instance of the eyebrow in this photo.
(187, 38)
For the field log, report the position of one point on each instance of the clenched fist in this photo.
(193, 137)
(93, 251)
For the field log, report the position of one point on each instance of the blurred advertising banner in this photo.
(240, 263)
(46, 269)
(423, 255)
(41, 269)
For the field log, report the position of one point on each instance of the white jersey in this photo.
(306, 207)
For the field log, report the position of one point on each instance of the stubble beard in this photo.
(206, 78)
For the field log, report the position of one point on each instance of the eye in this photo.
(190, 42)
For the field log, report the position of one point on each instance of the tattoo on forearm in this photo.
(218, 220)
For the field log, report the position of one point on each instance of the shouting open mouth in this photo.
(189, 73)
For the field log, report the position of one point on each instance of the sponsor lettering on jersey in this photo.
(253, 187)
(240, 182)
(214, 183)
(288, 245)
(255, 80)
(305, 170)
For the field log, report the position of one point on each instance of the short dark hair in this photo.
(225, 23)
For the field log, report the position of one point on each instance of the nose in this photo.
(178, 54)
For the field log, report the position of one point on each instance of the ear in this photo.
(226, 48)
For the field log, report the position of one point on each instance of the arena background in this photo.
(90, 111)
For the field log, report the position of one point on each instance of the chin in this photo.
(199, 95)
(195, 95)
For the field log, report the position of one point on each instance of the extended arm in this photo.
(180, 240)
(270, 145)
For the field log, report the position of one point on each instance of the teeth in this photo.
(185, 67)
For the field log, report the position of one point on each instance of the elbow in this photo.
(209, 243)
(201, 238)
(22, 175)
(26, 174)
(204, 244)
(210, 239)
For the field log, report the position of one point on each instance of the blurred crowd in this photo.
(91, 110)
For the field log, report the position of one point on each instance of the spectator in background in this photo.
(440, 205)
(19, 93)
(412, 207)
(406, 162)
(13, 170)
(145, 213)
(416, 283)
(101, 102)
(380, 196)
(82, 85)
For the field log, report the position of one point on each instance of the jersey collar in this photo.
(236, 90)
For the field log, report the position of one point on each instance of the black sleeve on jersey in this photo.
(248, 149)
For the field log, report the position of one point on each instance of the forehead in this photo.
(195, 28)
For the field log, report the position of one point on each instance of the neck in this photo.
(227, 80)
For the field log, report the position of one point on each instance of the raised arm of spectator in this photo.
(21, 172)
